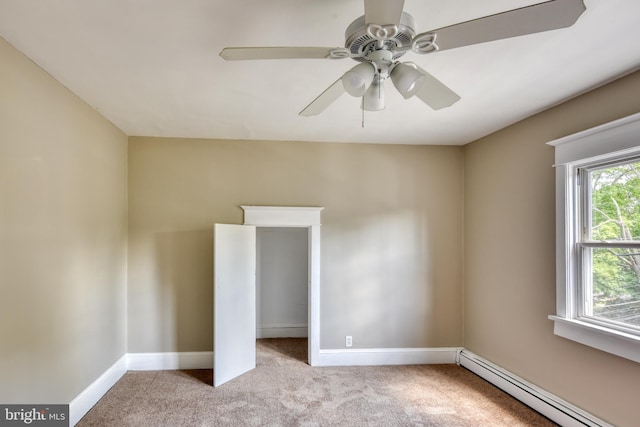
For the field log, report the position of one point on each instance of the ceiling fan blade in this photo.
(325, 99)
(383, 12)
(245, 53)
(550, 15)
(433, 92)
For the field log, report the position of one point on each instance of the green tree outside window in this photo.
(615, 217)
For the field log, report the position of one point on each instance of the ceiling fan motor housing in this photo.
(360, 41)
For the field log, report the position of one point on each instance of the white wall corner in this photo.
(92, 394)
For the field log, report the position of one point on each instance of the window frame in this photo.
(612, 142)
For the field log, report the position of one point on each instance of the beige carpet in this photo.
(284, 391)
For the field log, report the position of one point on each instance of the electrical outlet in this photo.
(348, 341)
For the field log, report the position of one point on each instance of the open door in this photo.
(234, 307)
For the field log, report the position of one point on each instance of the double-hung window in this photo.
(598, 237)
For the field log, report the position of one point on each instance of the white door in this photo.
(234, 296)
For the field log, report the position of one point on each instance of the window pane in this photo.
(615, 202)
(616, 284)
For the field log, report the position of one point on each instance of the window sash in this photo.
(583, 291)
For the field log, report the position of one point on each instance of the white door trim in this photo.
(307, 217)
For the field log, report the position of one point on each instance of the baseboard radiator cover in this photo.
(548, 404)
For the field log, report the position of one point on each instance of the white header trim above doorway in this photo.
(281, 216)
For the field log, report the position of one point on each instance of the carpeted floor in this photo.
(284, 391)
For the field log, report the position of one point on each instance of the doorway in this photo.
(282, 297)
(235, 286)
(307, 218)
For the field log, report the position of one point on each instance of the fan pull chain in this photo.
(362, 108)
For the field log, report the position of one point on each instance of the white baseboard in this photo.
(548, 404)
(540, 400)
(387, 356)
(282, 332)
(204, 360)
(90, 395)
(167, 361)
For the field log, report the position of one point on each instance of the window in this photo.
(608, 249)
(598, 237)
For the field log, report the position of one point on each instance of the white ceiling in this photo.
(152, 66)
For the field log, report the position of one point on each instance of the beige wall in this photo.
(510, 258)
(392, 253)
(62, 237)
(391, 235)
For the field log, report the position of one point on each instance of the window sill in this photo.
(605, 339)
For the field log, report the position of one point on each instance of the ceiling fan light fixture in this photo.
(373, 99)
(406, 79)
(357, 80)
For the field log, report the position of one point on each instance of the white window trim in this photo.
(614, 140)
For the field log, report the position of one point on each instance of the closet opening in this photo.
(282, 291)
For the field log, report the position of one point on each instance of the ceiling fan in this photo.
(385, 33)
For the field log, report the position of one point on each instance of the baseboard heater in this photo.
(547, 404)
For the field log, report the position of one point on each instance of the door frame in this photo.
(305, 217)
